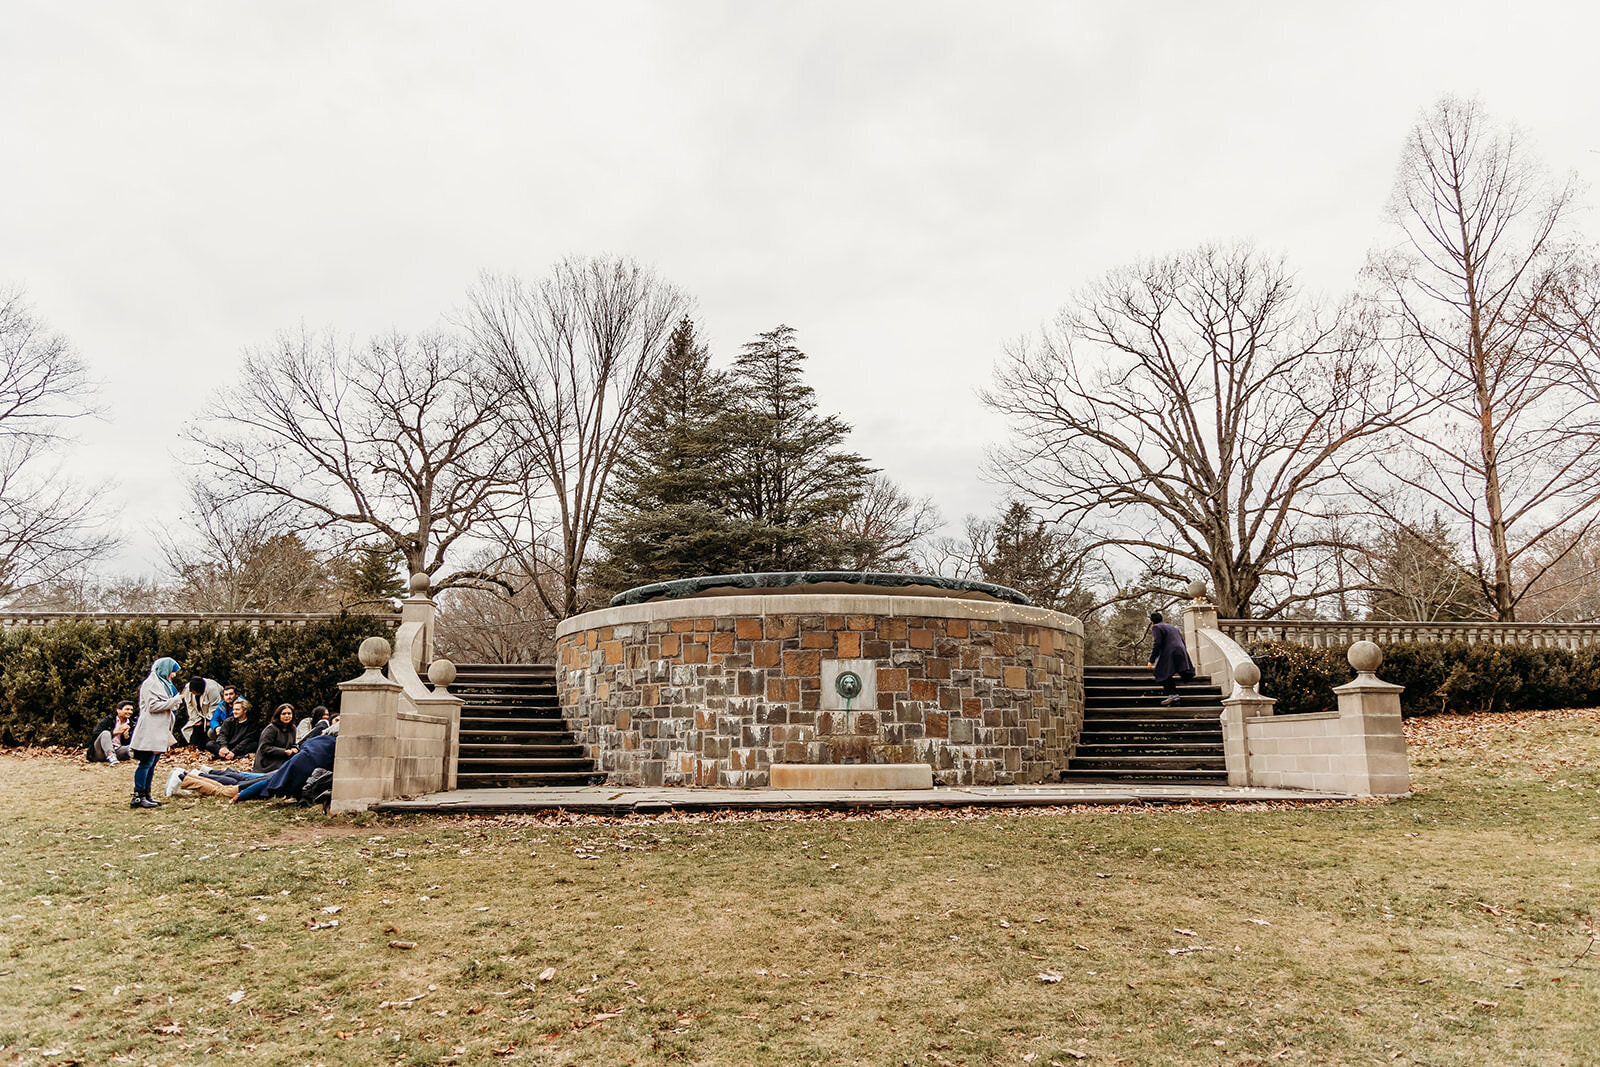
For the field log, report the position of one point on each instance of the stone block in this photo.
(850, 776)
(799, 664)
(893, 680)
(849, 646)
(748, 629)
(920, 638)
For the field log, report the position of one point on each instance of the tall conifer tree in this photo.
(792, 480)
(668, 514)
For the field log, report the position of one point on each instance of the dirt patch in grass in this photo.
(1453, 926)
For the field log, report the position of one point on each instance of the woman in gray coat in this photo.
(152, 734)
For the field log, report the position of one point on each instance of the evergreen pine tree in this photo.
(1035, 559)
(667, 515)
(791, 482)
(369, 575)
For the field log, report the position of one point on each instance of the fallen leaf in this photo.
(403, 944)
(547, 974)
(1184, 933)
(236, 996)
(170, 1028)
(1048, 977)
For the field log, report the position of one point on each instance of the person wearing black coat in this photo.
(287, 780)
(108, 742)
(1169, 659)
(238, 736)
(277, 741)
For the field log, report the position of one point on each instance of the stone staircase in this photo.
(512, 732)
(1128, 736)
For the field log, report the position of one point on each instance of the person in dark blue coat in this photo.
(1168, 658)
(286, 780)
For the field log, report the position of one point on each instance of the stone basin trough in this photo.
(819, 680)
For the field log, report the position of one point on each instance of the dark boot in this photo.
(133, 801)
(145, 801)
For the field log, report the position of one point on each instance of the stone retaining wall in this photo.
(712, 691)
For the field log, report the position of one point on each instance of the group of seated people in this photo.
(219, 725)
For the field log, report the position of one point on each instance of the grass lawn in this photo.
(1454, 926)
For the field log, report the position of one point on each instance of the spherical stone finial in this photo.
(420, 582)
(1365, 657)
(1197, 589)
(1248, 675)
(374, 653)
(441, 672)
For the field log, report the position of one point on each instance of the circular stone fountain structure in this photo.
(713, 681)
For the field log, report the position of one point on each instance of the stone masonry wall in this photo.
(712, 691)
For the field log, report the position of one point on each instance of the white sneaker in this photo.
(111, 758)
(173, 779)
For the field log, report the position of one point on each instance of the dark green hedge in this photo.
(57, 680)
(1438, 678)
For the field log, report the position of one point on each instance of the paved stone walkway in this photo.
(613, 800)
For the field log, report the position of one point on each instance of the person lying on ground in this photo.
(314, 723)
(204, 781)
(277, 740)
(238, 735)
(200, 699)
(108, 743)
(287, 780)
(152, 734)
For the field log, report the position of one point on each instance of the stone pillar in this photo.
(1245, 703)
(363, 765)
(1200, 614)
(446, 705)
(1373, 741)
(419, 608)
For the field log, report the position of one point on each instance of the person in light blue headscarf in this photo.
(152, 734)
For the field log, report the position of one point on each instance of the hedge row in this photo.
(57, 680)
(1455, 677)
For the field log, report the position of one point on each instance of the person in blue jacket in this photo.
(1169, 659)
(286, 780)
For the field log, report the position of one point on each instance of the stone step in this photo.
(1147, 761)
(527, 780)
(1185, 701)
(500, 750)
(1147, 777)
(522, 764)
(532, 709)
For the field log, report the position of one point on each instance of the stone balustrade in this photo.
(398, 737)
(254, 620)
(1322, 634)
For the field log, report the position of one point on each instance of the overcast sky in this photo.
(910, 185)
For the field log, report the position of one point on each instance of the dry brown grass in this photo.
(1454, 926)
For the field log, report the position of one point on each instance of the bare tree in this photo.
(574, 353)
(48, 525)
(490, 626)
(401, 436)
(887, 525)
(1472, 293)
(1197, 408)
(233, 554)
